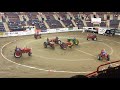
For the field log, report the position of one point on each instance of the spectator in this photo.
(82, 17)
(110, 66)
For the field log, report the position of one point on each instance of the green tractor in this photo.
(73, 40)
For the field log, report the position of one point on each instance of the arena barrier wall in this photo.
(1, 34)
(101, 30)
(29, 32)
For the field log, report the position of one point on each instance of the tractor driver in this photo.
(103, 52)
(74, 40)
(17, 49)
(47, 40)
(57, 38)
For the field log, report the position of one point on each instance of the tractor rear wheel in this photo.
(108, 58)
(35, 36)
(59, 42)
(29, 54)
(40, 35)
(61, 46)
(45, 45)
(77, 42)
(95, 39)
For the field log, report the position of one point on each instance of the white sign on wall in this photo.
(102, 30)
(95, 20)
(51, 30)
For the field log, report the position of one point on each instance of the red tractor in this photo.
(65, 45)
(37, 34)
(50, 43)
(91, 36)
(56, 40)
(18, 52)
(102, 56)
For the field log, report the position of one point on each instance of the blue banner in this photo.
(43, 30)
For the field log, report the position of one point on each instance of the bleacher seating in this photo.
(14, 21)
(68, 23)
(115, 17)
(12, 16)
(89, 24)
(2, 28)
(79, 23)
(76, 15)
(31, 15)
(51, 20)
(49, 15)
(3, 19)
(103, 24)
(101, 13)
(114, 23)
(15, 26)
(63, 15)
(37, 23)
(101, 16)
(87, 13)
(87, 17)
(54, 24)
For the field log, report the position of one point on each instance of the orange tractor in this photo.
(37, 34)
(70, 42)
(64, 45)
(18, 52)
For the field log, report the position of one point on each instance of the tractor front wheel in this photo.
(45, 45)
(29, 54)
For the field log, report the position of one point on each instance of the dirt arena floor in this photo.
(58, 63)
